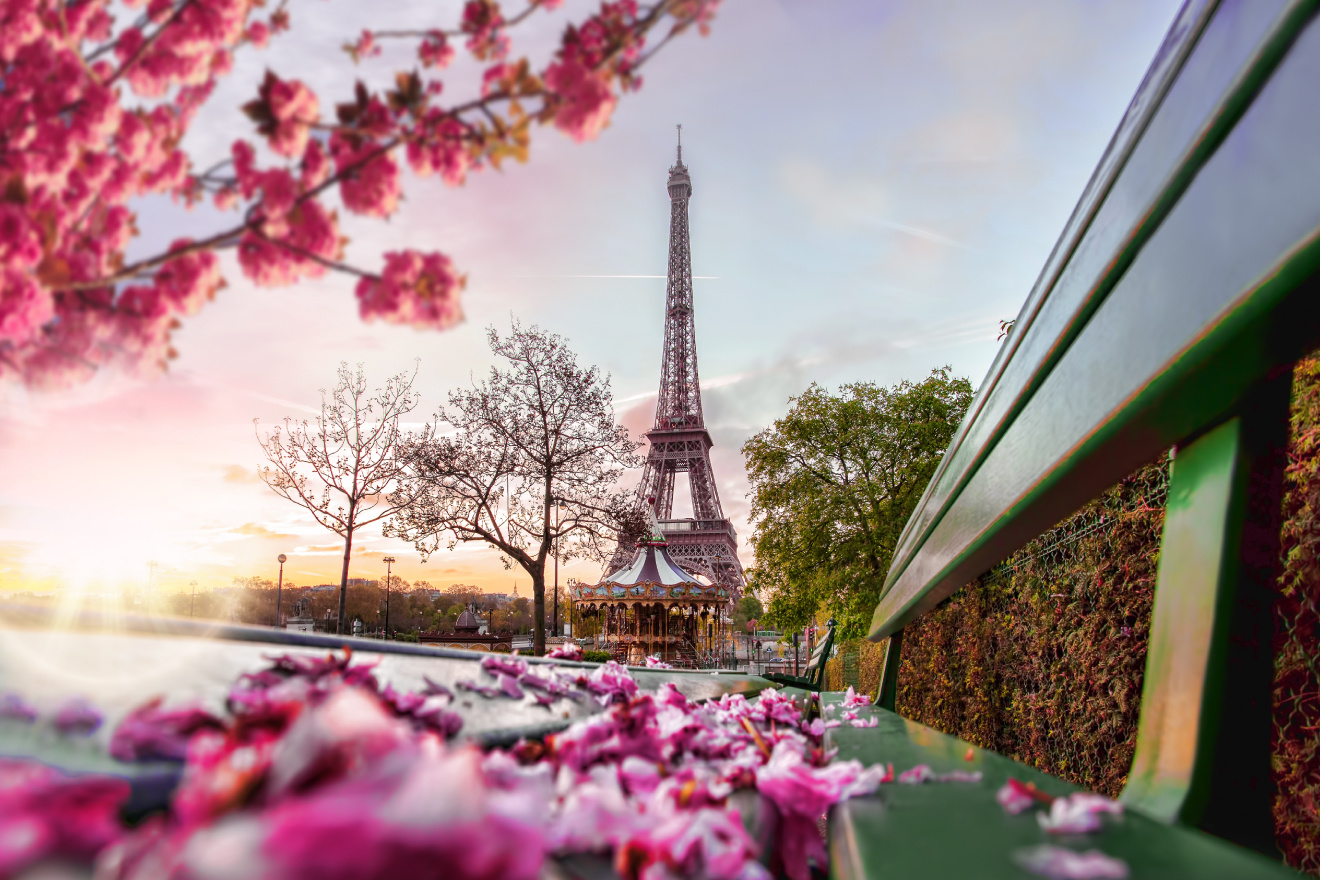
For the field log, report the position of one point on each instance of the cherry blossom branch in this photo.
(149, 42)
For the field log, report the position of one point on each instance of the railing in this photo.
(697, 525)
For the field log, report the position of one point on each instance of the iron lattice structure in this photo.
(706, 544)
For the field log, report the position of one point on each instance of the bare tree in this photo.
(532, 468)
(345, 468)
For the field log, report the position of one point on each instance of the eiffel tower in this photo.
(707, 543)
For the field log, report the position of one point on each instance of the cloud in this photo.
(253, 530)
(236, 473)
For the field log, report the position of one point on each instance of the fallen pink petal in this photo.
(77, 717)
(1058, 863)
(1078, 813)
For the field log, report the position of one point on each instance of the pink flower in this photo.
(585, 100)
(495, 664)
(611, 682)
(1015, 797)
(1058, 863)
(46, 815)
(707, 843)
(654, 662)
(258, 34)
(435, 51)
(439, 146)
(25, 307)
(293, 109)
(149, 733)
(77, 717)
(858, 722)
(483, 22)
(417, 289)
(364, 47)
(567, 651)
(853, 700)
(15, 708)
(371, 178)
(1078, 813)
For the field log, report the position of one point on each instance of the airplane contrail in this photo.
(695, 277)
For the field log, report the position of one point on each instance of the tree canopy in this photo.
(833, 484)
(531, 468)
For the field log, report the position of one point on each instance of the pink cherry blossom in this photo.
(1058, 863)
(586, 101)
(293, 109)
(654, 662)
(370, 178)
(417, 289)
(15, 708)
(150, 733)
(77, 717)
(1078, 813)
(47, 815)
(1016, 797)
(854, 700)
(434, 50)
(567, 651)
(439, 146)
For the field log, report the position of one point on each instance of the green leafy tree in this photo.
(833, 484)
(748, 608)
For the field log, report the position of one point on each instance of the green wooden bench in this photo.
(813, 676)
(1168, 316)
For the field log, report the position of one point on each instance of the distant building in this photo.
(325, 588)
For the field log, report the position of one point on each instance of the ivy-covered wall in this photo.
(1042, 658)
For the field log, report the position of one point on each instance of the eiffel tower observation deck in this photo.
(706, 544)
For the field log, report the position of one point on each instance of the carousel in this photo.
(655, 607)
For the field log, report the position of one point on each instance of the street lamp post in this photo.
(193, 600)
(279, 591)
(388, 560)
(559, 506)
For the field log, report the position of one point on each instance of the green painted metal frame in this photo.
(1169, 315)
(1203, 742)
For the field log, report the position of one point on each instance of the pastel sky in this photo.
(876, 184)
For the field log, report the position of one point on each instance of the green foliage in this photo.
(1042, 659)
(748, 608)
(1296, 755)
(597, 656)
(833, 484)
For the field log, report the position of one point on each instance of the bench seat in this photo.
(958, 829)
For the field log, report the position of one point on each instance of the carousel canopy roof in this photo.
(652, 565)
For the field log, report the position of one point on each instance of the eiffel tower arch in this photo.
(679, 443)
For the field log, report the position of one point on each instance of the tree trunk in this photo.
(538, 612)
(343, 583)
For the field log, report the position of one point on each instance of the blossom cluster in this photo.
(316, 769)
(94, 112)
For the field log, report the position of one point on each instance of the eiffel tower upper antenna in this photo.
(680, 143)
